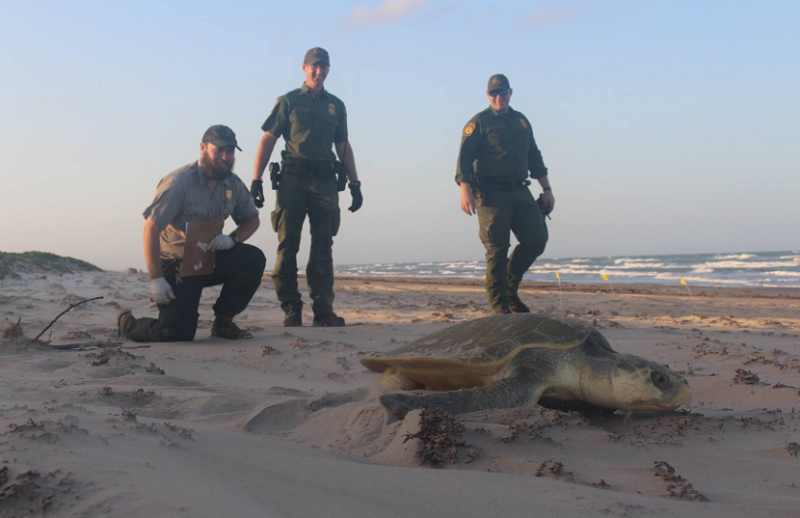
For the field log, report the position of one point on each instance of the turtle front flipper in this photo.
(506, 393)
(338, 399)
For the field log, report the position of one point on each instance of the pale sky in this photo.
(667, 127)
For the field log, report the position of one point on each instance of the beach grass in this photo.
(13, 264)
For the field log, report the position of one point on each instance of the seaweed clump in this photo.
(441, 437)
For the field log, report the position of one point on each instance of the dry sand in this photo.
(214, 428)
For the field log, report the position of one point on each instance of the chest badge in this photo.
(332, 109)
(522, 121)
(228, 194)
(468, 129)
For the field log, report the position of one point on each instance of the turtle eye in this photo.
(660, 380)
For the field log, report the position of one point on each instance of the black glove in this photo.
(257, 192)
(545, 210)
(358, 199)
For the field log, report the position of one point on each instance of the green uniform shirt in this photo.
(310, 124)
(498, 144)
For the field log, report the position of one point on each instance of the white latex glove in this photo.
(221, 242)
(160, 291)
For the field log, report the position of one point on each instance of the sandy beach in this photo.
(91, 425)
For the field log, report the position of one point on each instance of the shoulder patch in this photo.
(522, 121)
(468, 129)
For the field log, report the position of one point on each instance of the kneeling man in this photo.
(204, 190)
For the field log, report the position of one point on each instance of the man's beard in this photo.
(217, 170)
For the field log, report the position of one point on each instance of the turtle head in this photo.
(645, 387)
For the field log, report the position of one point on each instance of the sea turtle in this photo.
(506, 361)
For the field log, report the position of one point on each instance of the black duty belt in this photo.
(501, 183)
(315, 167)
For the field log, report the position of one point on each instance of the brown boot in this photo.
(125, 321)
(225, 327)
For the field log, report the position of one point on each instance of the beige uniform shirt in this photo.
(185, 195)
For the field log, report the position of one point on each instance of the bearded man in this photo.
(203, 190)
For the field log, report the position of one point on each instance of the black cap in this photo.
(498, 82)
(221, 135)
(317, 54)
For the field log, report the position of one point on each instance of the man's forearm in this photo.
(265, 148)
(247, 228)
(346, 150)
(544, 182)
(152, 249)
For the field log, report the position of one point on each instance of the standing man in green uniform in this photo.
(311, 122)
(497, 153)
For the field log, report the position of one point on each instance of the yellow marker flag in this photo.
(559, 290)
(605, 277)
(690, 293)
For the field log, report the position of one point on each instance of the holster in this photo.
(275, 175)
(341, 175)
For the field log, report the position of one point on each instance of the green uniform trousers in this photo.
(499, 215)
(318, 197)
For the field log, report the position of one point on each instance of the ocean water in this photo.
(748, 269)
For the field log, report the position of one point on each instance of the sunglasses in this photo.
(495, 93)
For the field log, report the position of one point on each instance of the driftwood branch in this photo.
(21, 297)
(71, 306)
(94, 345)
(97, 344)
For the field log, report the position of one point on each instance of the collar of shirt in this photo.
(202, 178)
(498, 114)
(306, 90)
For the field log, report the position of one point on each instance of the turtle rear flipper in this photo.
(506, 393)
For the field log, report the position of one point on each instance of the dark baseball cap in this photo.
(221, 135)
(317, 54)
(498, 82)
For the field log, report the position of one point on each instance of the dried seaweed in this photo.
(14, 330)
(677, 486)
(793, 448)
(441, 437)
(746, 377)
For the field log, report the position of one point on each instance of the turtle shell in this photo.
(471, 353)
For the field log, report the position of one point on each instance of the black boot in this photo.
(516, 305)
(327, 318)
(294, 317)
